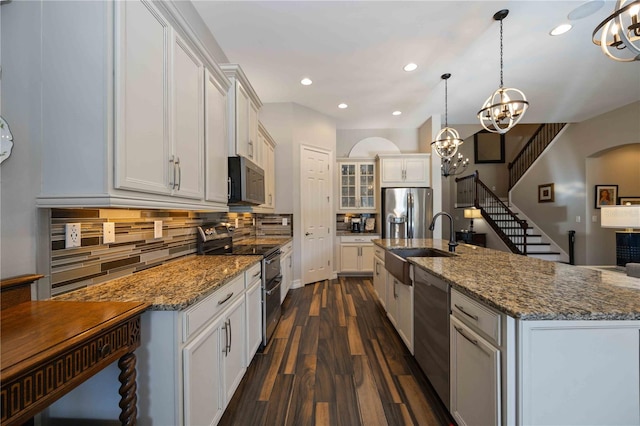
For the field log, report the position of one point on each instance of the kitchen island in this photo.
(541, 342)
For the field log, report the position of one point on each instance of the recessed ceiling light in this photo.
(410, 67)
(342, 106)
(396, 112)
(306, 81)
(560, 29)
(585, 9)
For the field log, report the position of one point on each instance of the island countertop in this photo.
(170, 287)
(528, 288)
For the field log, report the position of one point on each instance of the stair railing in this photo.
(471, 191)
(540, 140)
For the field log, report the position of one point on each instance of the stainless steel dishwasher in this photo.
(431, 330)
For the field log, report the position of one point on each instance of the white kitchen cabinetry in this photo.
(216, 144)
(478, 344)
(399, 306)
(244, 107)
(357, 185)
(132, 119)
(379, 275)
(356, 254)
(267, 160)
(253, 299)
(167, 97)
(411, 170)
(286, 268)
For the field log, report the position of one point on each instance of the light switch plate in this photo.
(285, 221)
(72, 235)
(157, 229)
(108, 232)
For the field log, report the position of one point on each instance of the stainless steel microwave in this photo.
(246, 182)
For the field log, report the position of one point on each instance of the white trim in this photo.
(136, 200)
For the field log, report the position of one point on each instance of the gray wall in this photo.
(565, 164)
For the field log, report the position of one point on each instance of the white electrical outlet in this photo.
(236, 223)
(157, 229)
(594, 218)
(72, 235)
(285, 221)
(578, 219)
(108, 232)
(253, 221)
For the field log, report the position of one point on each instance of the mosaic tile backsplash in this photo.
(135, 247)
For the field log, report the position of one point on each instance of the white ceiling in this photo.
(354, 52)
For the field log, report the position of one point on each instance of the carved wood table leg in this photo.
(128, 397)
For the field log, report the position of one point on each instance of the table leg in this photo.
(128, 397)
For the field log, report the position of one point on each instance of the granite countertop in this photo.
(528, 288)
(170, 287)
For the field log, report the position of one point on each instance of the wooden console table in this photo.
(50, 347)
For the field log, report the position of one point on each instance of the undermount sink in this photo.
(395, 260)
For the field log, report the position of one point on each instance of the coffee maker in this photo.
(356, 224)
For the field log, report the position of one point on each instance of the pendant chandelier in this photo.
(454, 166)
(506, 107)
(620, 35)
(447, 140)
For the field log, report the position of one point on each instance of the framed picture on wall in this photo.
(629, 200)
(489, 147)
(545, 193)
(606, 195)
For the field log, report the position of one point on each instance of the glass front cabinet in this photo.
(357, 185)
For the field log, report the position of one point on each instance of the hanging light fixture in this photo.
(620, 35)
(506, 107)
(447, 140)
(453, 167)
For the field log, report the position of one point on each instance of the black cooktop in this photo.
(259, 249)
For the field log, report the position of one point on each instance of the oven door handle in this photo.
(279, 279)
(273, 257)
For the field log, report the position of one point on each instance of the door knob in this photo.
(308, 233)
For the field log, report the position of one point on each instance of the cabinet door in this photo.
(392, 170)
(253, 130)
(392, 298)
(270, 171)
(234, 362)
(203, 404)
(349, 257)
(242, 123)
(404, 313)
(366, 186)
(141, 98)
(348, 197)
(188, 129)
(380, 281)
(366, 258)
(216, 148)
(475, 377)
(254, 319)
(416, 171)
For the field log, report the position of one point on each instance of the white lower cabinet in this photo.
(380, 278)
(356, 254)
(404, 313)
(233, 358)
(286, 268)
(253, 298)
(475, 377)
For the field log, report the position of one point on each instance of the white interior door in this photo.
(315, 189)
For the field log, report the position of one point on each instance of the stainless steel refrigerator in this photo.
(406, 212)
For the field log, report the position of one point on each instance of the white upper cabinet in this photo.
(405, 170)
(357, 185)
(216, 147)
(142, 99)
(139, 139)
(244, 107)
(266, 159)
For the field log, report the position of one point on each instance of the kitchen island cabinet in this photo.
(542, 342)
(193, 352)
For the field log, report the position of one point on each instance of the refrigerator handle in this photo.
(410, 215)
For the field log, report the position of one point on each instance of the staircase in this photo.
(517, 234)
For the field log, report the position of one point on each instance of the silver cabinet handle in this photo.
(395, 295)
(250, 151)
(228, 188)
(172, 162)
(461, 309)
(230, 335)
(473, 341)
(257, 274)
(223, 301)
(377, 272)
(179, 172)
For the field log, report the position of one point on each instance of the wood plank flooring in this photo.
(335, 359)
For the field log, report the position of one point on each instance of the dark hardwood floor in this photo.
(334, 359)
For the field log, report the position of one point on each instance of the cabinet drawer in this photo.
(477, 316)
(287, 247)
(206, 310)
(252, 274)
(358, 238)
(379, 253)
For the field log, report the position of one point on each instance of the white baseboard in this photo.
(296, 284)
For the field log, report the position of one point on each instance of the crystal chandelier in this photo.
(506, 107)
(454, 166)
(447, 140)
(620, 35)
